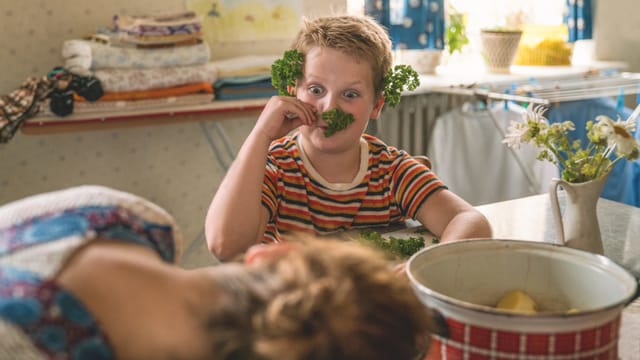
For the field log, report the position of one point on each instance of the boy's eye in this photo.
(351, 94)
(315, 90)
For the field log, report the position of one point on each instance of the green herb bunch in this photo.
(399, 78)
(286, 71)
(396, 247)
(337, 120)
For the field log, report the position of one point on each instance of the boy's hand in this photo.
(283, 114)
(400, 270)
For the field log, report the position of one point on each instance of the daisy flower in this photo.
(619, 136)
(609, 142)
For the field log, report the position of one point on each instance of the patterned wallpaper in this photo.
(172, 165)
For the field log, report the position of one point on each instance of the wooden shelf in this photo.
(109, 119)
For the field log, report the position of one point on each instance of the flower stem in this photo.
(555, 153)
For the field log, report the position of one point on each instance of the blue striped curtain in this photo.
(412, 24)
(578, 15)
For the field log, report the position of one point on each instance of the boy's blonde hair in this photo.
(322, 300)
(357, 36)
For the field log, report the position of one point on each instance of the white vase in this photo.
(578, 226)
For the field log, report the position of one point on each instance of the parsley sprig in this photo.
(399, 78)
(286, 71)
(337, 120)
(395, 247)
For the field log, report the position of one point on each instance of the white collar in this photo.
(364, 165)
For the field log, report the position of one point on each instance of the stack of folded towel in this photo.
(183, 28)
(244, 77)
(145, 60)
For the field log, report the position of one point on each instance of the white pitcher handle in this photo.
(555, 206)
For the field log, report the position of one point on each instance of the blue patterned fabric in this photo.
(412, 24)
(51, 316)
(57, 322)
(623, 184)
(578, 16)
(110, 222)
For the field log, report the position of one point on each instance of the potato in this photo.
(518, 301)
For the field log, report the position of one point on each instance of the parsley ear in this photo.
(399, 78)
(286, 71)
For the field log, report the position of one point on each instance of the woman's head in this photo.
(358, 36)
(318, 300)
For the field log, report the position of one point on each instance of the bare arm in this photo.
(449, 217)
(236, 218)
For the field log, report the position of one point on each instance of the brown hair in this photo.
(357, 36)
(323, 300)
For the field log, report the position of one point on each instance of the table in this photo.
(530, 218)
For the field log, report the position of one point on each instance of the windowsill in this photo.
(474, 73)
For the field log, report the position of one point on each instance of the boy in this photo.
(320, 184)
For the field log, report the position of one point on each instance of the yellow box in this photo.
(544, 45)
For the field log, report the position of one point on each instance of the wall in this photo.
(616, 32)
(172, 165)
(616, 37)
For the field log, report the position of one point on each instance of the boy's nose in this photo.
(329, 102)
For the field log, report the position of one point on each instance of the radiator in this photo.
(408, 126)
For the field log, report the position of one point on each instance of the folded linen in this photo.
(187, 22)
(144, 40)
(197, 88)
(249, 94)
(239, 80)
(92, 108)
(80, 56)
(118, 80)
(225, 90)
(247, 65)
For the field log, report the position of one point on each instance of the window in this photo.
(493, 13)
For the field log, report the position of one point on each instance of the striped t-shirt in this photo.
(389, 188)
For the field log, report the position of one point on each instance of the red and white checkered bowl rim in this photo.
(473, 343)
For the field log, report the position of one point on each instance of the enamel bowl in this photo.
(423, 61)
(464, 281)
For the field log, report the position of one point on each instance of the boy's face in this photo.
(333, 79)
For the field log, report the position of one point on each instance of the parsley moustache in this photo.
(337, 120)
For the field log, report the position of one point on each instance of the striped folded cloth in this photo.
(166, 25)
(81, 56)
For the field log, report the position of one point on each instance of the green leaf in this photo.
(456, 32)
